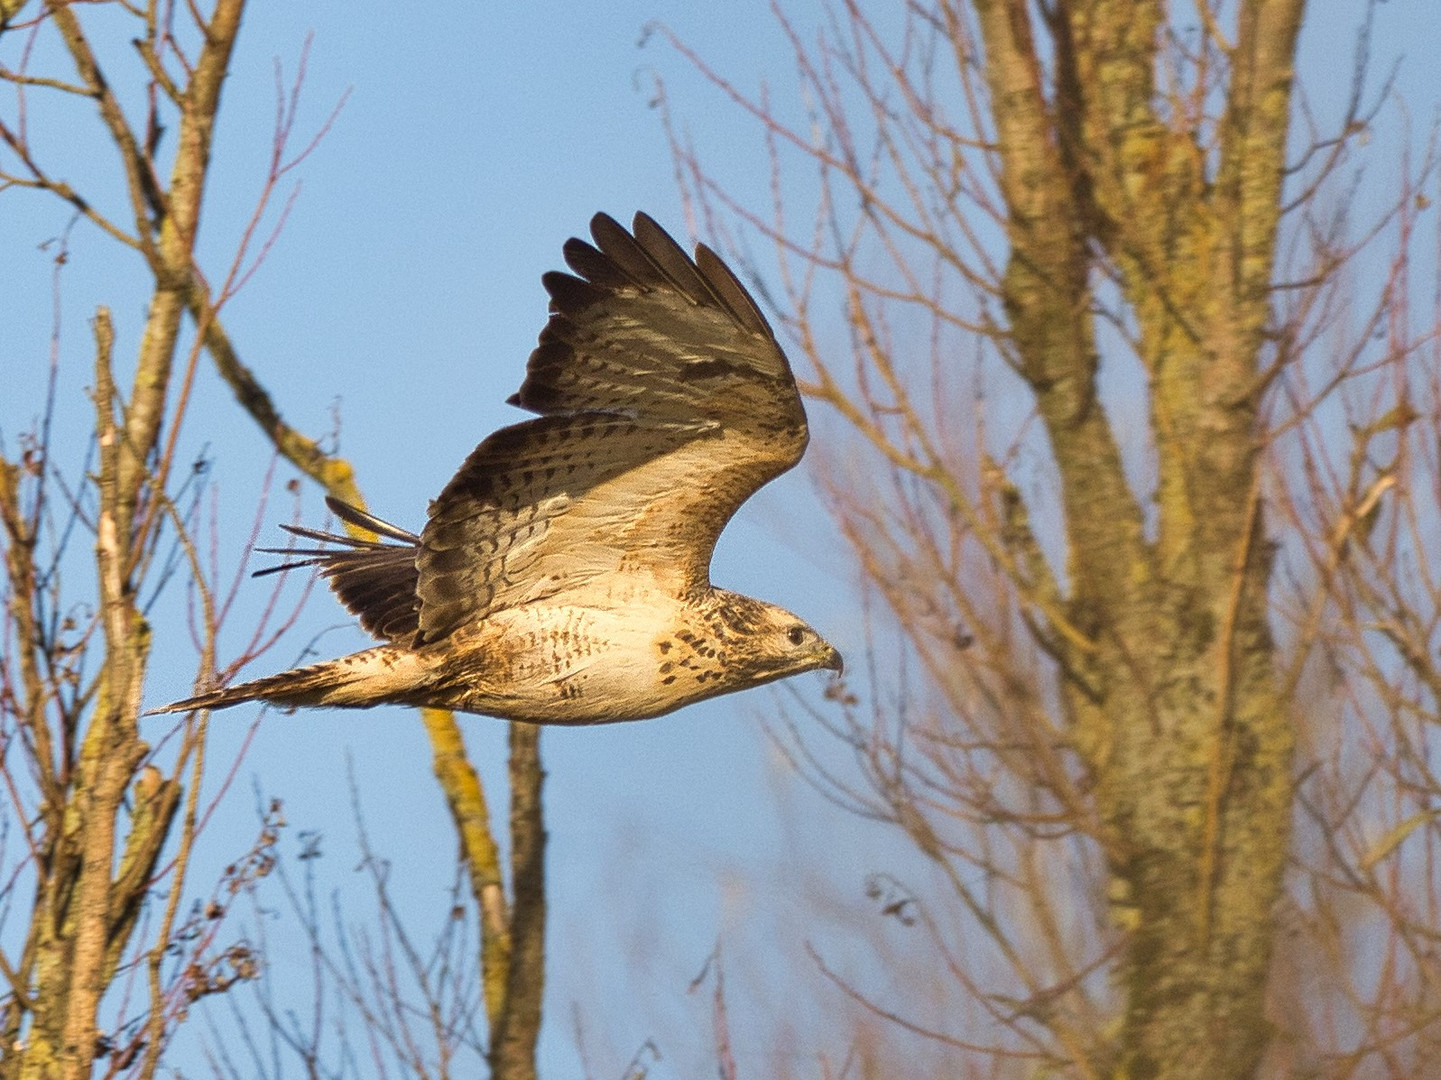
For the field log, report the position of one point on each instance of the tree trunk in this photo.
(1174, 700)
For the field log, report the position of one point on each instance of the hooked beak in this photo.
(833, 661)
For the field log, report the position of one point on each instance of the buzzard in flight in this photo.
(563, 575)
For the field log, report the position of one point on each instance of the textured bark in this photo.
(1175, 702)
(91, 874)
(516, 1030)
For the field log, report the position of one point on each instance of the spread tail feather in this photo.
(358, 681)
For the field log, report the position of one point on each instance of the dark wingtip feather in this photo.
(622, 249)
(734, 295)
(361, 519)
(592, 264)
(672, 261)
(308, 558)
(601, 222)
(570, 293)
(374, 579)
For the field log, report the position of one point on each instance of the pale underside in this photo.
(558, 663)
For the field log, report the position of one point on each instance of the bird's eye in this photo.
(796, 635)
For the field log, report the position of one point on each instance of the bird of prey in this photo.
(563, 575)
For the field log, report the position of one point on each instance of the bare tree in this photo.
(97, 807)
(94, 805)
(1164, 583)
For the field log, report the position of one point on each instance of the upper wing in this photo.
(666, 402)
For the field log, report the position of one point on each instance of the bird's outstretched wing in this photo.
(665, 403)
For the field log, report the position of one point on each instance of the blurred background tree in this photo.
(1134, 434)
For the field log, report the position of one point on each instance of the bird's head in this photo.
(766, 642)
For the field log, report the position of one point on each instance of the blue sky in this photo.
(403, 297)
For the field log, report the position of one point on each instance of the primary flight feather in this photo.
(563, 574)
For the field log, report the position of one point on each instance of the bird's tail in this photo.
(358, 681)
